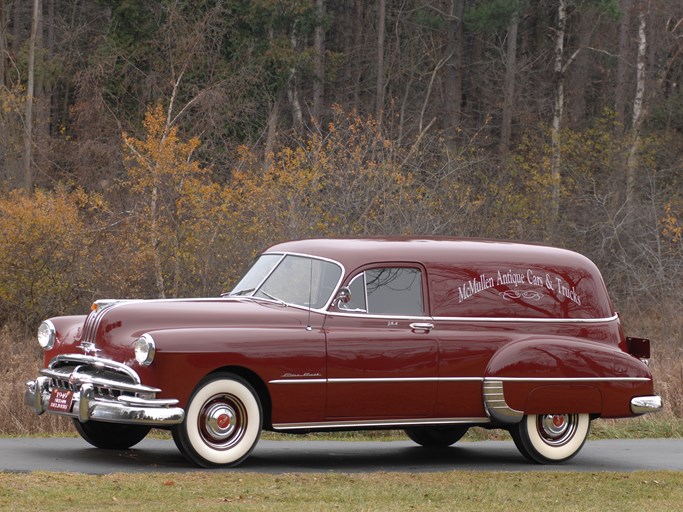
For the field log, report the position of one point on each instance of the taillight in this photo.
(639, 347)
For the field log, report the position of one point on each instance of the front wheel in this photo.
(222, 422)
(551, 438)
(111, 436)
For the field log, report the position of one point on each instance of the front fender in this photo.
(540, 375)
(273, 356)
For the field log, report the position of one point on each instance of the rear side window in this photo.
(387, 291)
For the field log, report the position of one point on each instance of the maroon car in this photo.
(432, 336)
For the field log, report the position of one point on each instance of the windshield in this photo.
(292, 279)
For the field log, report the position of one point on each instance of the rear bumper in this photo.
(85, 406)
(645, 404)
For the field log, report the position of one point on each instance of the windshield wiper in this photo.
(239, 293)
(271, 297)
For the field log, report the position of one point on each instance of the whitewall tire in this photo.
(223, 422)
(551, 438)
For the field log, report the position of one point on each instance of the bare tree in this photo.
(3, 41)
(509, 87)
(28, 137)
(319, 64)
(453, 72)
(622, 63)
(558, 112)
(633, 160)
(381, 37)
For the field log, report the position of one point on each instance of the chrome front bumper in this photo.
(645, 404)
(85, 405)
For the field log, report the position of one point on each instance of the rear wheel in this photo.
(551, 438)
(111, 436)
(436, 437)
(222, 422)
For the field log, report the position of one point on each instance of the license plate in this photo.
(60, 400)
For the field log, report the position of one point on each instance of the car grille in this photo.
(109, 379)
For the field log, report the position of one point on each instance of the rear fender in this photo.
(562, 375)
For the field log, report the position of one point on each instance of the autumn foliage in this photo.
(45, 253)
(176, 228)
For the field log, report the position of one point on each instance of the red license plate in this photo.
(60, 400)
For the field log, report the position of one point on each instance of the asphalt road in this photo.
(152, 455)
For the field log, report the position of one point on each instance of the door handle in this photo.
(421, 327)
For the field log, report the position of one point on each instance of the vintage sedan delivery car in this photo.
(427, 335)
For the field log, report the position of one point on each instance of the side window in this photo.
(387, 291)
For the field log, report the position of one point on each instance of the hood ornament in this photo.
(89, 346)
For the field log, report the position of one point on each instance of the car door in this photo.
(382, 360)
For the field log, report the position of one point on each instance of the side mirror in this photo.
(343, 297)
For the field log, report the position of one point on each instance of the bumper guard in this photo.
(645, 404)
(122, 409)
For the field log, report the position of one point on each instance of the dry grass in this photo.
(20, 361)
(449, 490)
(664, 327)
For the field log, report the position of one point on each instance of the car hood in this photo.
(111, 330)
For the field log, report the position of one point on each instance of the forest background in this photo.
(152, 149)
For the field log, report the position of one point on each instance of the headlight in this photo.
(47, 335)
(144, 350)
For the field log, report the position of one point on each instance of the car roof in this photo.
(354, 252)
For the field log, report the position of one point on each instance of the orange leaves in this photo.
(161, 154)
(334, 184)
(176, 203)
(671, 223)
(44, 253)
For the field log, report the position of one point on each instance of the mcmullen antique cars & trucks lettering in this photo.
(432, 336)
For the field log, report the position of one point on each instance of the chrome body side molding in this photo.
(496, 406)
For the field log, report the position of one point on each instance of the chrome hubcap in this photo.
(222, 422)
(557, 429)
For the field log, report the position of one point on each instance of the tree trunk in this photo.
(381, 22)
(633, 160)
(156, 241)
(293, 91)
(509, 87)
(453, 69)
(28, 136)
(271, 133)
(17, 24)
(357, 45)
(319, 78)
(558, 110)
(3, 42)
(622, 66)
(578, 78)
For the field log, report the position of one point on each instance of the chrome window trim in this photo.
(480, 318)
(525, 319)
(283, 255)
(388, 265)
(379, 317)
